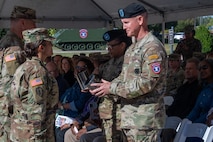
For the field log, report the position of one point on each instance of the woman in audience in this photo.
(205, 98)
(73, 100)
(67, 67)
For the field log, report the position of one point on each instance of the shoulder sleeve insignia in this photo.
(36, 82)
(10, 57)
(156, 68)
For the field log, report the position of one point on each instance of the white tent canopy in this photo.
(103, 13)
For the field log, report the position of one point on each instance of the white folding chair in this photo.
(190, 129)
(208, 137)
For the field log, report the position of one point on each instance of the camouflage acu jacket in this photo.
(141, 84)
(35, 96)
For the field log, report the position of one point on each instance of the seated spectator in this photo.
(62, 83)
(175, 76)
(185, 98)
(67, 67)
(57, 60)
(205, 98)
(87, 122)
(73, 100)
(75, 58)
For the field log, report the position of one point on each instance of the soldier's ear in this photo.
(40, 48)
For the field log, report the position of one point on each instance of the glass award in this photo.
(84, 80)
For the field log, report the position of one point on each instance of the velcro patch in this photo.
(10, 57)
(36, 82)
(156, 68)
(152, 57)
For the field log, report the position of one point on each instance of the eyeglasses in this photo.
(204, 67)
(113, 45)
(81, 67)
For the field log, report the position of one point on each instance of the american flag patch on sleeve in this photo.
(36, 82)
(10, 57)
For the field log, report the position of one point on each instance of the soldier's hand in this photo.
(102, 88)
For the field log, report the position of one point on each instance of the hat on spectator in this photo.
(174, 57)
(132, 10)
(23, 12)
(36, 34)
(117, 34)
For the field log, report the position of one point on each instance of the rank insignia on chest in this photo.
(156, 68)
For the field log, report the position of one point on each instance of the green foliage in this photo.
(52, 31)
(183, 23)
(205, 37)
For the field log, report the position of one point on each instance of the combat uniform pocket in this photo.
(105, 109)
(143, 117)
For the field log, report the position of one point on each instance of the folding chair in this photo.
(190, 129)
(170, 126)
(208, 137)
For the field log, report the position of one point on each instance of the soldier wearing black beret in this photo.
(119, 35)
(141, 82)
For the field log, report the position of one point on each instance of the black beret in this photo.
(113, 34)
(132, 10)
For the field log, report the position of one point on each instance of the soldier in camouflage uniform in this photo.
(11, 57)
(34, 92)
(189, 45)
(175, 76)
(117, 43)
(141, 82)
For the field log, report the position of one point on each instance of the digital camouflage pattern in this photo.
(108, 114)
(10, 59)
(35, 95)
(11, 39)
(174, 81)
(142, 84)
(36, 34)
(187, 47)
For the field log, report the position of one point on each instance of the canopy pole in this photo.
(163, 29)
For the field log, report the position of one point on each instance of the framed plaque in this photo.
(84, 80)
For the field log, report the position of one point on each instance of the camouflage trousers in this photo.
(25, 131)
(4, 129)
(50, 128)
(111, 134)
(134, 135)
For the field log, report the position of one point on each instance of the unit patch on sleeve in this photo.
(155, 68)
